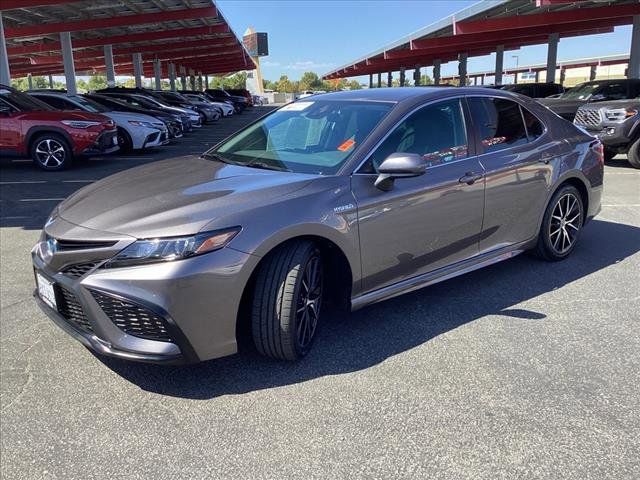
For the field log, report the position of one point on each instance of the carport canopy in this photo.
(118, 37)
(496, 26)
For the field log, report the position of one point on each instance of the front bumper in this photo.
(107, 142)
(196, 299)
(618, 136)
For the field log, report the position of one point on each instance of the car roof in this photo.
(397, 94)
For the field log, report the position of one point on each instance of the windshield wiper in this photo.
(215, 156)
(266, 166)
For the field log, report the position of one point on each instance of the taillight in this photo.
(598, 149)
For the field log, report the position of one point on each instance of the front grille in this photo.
(131, 318)
(71, 310)
(79, 269)
(62, 244)
(587, 117)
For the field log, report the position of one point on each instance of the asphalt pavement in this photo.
(524, 369)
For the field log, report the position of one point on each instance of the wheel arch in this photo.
(580, 184)
(35, 131)
(339, 278)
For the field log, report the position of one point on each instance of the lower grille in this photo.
(587, 117)
(132, 319)
(71, 310)
(79, 269)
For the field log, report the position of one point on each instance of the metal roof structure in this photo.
(480, 28)
(539, 67)
(191, 33)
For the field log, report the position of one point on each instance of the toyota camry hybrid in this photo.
(347, 198)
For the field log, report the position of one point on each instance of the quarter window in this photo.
(498, 122)
(535, 128)
(437, 132)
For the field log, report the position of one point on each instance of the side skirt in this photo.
(439, 275)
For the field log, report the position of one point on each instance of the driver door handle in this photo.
(470, 178)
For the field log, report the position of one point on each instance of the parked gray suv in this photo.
(347, 198)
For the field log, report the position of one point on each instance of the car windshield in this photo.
(150, 102)
(89, 105)
(173, 96)
(304, 137)
(581, 92)
(23, 102)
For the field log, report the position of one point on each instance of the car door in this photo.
(426, 222)
(10, 128)
(518, 163)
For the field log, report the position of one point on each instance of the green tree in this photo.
(284, 85)
(97, 82)
(354, 85)
(425, 80)
(310, 81)
(268, 85)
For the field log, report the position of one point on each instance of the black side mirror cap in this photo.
(399, 165)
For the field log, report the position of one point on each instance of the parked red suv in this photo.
(29, 127)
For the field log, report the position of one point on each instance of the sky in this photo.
(318, 36)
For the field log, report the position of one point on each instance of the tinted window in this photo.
(534, 127)
(58, 103)
(437, 132)
(22, 101)
(613, 91)
(498, 122)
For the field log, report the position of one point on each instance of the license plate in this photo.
(46, 291)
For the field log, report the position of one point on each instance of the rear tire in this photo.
(561, 225)
(287, 300)
(51, 152)
(633, 155)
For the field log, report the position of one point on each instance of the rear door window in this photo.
(498, 122)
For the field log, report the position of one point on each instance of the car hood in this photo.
(556, 104)
(175, 197)
(123, 117)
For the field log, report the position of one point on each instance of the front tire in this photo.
(51, 152)
(287, 301)
(124, 141)
(633, 155)
(561, 225)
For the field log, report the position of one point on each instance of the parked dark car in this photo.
(208, 113)
(141, 100)
(616, 124)
(351, 198)
(173, 121)
(29, 127)
(241, 92)
(534, 90)
(219, 95)
(597, 91)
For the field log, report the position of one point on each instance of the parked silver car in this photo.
(136, 131)
(349, 198)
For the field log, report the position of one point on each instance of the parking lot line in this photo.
(41, 199)
(25, 181)
(78, 181)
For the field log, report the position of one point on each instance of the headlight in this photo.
(80, 123)
(169, 249)
(619, 114)
(137, 123)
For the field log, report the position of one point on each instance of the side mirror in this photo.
(399, 165)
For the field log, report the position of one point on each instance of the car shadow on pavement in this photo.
(352, 342)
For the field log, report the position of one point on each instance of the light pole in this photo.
(515, 74)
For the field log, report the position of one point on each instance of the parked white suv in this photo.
(136, 131)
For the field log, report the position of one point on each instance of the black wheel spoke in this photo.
(308, 302)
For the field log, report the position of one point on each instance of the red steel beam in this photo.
(513, 34)
(626, 11)
(129, 38)
(119, 21)
(14, 4)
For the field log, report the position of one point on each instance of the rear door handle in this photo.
(470, 178)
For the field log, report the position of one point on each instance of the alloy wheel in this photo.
(50, 153)
(565, 224)
(309, 302)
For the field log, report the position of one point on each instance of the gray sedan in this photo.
(347, 198)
